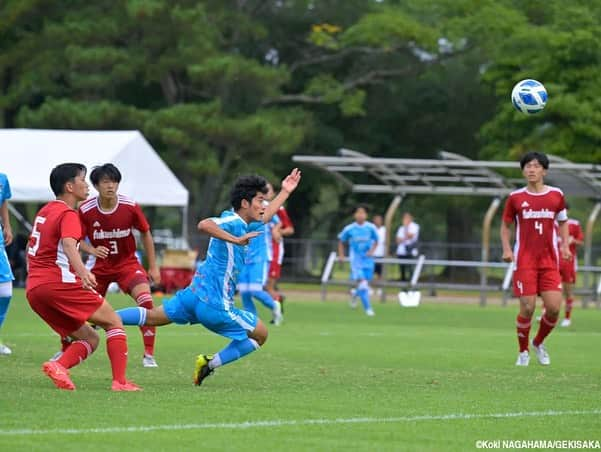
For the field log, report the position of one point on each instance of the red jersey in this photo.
(47, 260)
(278, 247)
(575, 231)
(114, 230)
(534, 215)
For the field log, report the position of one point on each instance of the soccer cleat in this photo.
(149, 361)
(370, 313)
(4, 350)
(523, 359)
(278, 318)
(126, 386)
(202, 369)
(541, 354)
(59, 375)
(566, 322)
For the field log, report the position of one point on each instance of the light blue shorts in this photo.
(253, 276)
(6, 274)
(188, 307)
(362, 272)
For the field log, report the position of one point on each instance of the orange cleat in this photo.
(125, 386)
(59, 375)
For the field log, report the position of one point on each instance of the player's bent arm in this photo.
(72, 253)
(505, 234)
(148, 244)
(212, 229)
(101, 251)
(289, 184)
(341, 250)
(288, 231)
(564, 233)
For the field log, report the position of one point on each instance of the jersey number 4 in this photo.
(35, 234)
(539, 227)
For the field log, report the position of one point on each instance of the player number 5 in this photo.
(539, 227)
(35, 234)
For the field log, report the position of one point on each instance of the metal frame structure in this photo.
(453, 174)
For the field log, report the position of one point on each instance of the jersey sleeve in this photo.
(509, 211)
(70, 225)
(84, 229)
(257, 226)
(286, 221)
(578, 234)
(345, 234)
(140, 221)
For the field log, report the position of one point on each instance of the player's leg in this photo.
(364, 275)
(6, 293)
(523, 325)
(568, 288)
(245, 329)
(258, 278)
(116, 345)
(141, 293)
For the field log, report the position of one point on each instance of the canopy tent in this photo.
(28, 155)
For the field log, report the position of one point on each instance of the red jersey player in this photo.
(109, 221)
(61, 290)
(534, 210)
(285, 229)
(567, 268)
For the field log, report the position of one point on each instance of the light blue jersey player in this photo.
(6, 274)
(362, 239)
(253, 275)
(209, 299)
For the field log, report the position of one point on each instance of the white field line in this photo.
(294, 423)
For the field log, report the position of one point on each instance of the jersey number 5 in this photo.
(539, 227)
(35, 234)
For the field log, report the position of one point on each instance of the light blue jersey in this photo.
(6, 273)
(259, 248)
(360, 239)
(215, 279)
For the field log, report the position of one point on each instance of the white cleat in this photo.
(370, 313)
(566, 322)
(278, 318)
(149, 361)
(541, 354)
(4, 350)
(523, 359)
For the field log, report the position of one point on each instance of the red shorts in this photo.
(533, 281)
(65, 307)
(567, 269)
(275, 270)
(127, 277)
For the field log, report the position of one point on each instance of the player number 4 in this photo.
(35, 234)
(539, 227)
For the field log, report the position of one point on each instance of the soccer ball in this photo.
(529, 96)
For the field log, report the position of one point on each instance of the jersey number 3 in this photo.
(113, 245)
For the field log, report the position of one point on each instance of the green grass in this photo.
(397, 375)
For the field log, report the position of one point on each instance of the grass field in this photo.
(437, 377)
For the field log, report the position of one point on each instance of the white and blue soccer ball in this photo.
(529, 96)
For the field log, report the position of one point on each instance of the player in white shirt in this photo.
(407, 237)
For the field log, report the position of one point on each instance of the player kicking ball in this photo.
(534, 210)
(209, 299)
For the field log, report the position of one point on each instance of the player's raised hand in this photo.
(291, 181)
(244, 239)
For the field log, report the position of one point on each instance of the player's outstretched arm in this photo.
(289, 184)
(212, 229)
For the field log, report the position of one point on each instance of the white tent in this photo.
(27, 156)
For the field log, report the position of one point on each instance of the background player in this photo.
(61, 290)
(209, 299)
(6, 274)
(285, 229)
(534, 210)
(109, 221)
(568, 267)
(362, 239)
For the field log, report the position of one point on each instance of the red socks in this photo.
(569, 303)
(116, 347)
(75, 353)
(523, 328)
(144, 300)
(545, 327)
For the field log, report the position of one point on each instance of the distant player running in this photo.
(534, 210)
(568, 267)
(209, 299)
(362, 239)
(61, 290)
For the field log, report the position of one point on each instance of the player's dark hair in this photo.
(539, 156)
(361, 206)
(247, 187)
(63, 173)
(108, 170)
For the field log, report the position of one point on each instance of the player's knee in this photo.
(260, 333)
(94, 340)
